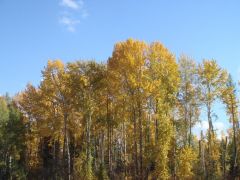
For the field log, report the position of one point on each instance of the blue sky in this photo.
(32, 32)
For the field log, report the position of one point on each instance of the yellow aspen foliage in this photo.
(132, 117)
(186, 158)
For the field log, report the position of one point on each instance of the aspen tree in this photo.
(164, 80)
(212, 81)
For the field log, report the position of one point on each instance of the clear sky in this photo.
(34, 31)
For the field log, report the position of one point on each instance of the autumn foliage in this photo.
(132, 117)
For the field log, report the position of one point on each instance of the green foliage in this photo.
(102, 173)
(83, 167)
(4, 112)
(12, 138)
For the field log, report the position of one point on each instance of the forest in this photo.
(130, 117)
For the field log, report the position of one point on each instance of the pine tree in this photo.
(231, 102)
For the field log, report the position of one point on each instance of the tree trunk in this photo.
(102, 147)
(234, 140)
(224, 158)
(156, 123)
(68, 158)
(140, 140)
(109, 134)
(202, 152)
(89, 137)
(64, 144)
(190, 128)
(124, 150)
(135, 145)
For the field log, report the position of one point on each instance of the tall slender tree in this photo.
(230, 100)
(212, 81)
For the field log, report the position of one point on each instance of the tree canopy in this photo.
(131, 117)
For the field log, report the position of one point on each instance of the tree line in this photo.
(129, 118)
